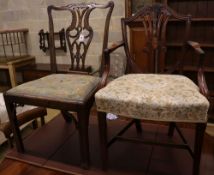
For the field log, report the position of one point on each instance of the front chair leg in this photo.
(11, 110)
(199, 135)
(83, 122)
(103, 139)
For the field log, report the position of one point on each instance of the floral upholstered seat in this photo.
(168, 99)
(61, 87)
(172, 98)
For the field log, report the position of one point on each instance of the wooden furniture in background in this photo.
(44, 40)
(13, 65)
(39, 70)
(201, 32)
(23, 118)
(14, 52)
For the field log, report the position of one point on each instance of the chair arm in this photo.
(106, 62)
(114, 46)
(196, 46)
(201, 77)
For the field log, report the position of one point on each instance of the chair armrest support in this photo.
(202, 83)
(201, 77)
(106, 62)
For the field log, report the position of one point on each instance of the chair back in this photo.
(80, 33)
(153, 19)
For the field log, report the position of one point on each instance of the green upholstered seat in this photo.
(61, 87)
(171, 98)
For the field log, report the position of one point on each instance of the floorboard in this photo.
(55, 148)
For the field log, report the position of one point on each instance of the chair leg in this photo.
(171, 129)
(103, 139)
(199, 135)
(66, 116)
(138, 126)
(83, 122)
(35, 124)
(11, 109)
(42, 119)
(10, 141)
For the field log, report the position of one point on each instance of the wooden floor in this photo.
(53, 149)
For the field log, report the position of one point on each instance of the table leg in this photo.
(12, 73)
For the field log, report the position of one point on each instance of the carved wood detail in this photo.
(79, 33)
(153, 19)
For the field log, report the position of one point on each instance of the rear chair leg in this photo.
(66, 116)
(35, 124)
(171, 129)
(138, 126)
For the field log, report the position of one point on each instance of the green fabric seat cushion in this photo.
(61, 87)
(154, 97)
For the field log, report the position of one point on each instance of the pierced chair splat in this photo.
(155, 97)
(66, 92)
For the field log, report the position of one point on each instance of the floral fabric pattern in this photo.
(154, 97)
(62, 87)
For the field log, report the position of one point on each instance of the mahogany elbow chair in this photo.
(155, 97)
(67, 92)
